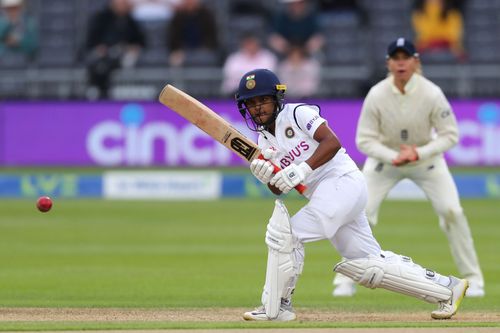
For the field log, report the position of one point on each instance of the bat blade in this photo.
(208, 121)
(214, 125)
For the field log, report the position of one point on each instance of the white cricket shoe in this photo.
(286, 313)
(448, 308)
(346, 289)
(475, 290)
(343, 286)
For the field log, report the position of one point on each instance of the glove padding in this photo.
(262, 170)
(291, 176)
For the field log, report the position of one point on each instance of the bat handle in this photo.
(301, 188)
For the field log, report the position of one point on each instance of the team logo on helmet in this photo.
(250, 81)
(289, 132)
(250, 84)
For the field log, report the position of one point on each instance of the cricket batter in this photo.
(405, 126)
(298, 139)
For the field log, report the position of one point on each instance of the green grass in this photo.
(134, 254)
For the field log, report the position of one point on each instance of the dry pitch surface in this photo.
(234, 315)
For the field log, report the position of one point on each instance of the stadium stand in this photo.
(353, 55)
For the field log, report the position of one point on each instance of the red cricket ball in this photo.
(44, 204)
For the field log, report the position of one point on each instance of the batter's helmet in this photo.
(260, 82)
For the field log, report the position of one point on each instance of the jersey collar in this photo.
(410, 86)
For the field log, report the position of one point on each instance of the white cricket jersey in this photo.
(422, 116)
(294, 142)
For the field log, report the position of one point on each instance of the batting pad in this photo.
(281, 274)
(373, 272)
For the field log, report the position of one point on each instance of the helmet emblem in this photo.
(289, 133)
(250, 84)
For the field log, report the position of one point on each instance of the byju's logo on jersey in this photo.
(293, 154)
(311, 122)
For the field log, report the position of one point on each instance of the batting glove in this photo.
(262, 170)
(291, 176)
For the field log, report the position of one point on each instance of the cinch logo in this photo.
(479, 140)
(133, 141)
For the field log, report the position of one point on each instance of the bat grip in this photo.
(301, 188)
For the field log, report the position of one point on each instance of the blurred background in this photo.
(56, 58)
(80, 122)
(79, 82)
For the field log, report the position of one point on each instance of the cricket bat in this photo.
(214, 125)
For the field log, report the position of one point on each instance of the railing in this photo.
(472, 80)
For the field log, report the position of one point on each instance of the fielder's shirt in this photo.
(421, 116)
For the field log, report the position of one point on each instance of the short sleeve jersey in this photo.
(294, 142)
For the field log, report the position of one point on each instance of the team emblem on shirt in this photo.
(404, 135)
(289, 133)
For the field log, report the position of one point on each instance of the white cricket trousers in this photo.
(434, 178)
(335, 211)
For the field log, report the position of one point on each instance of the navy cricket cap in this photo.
(402, 44)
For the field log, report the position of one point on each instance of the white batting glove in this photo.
(269, 153)
(262, 170)
(291, 176)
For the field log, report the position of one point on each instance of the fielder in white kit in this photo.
(406, 124)
(298, 139)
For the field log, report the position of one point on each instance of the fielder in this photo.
(405, 126)
(298, 139)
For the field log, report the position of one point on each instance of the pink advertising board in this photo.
(117, 134)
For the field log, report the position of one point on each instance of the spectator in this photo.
(302, 70)
(438, 26)
(298, 24)
(250, 55)
(153, 10)
(192, 32)
(18, 32)
(114, 40)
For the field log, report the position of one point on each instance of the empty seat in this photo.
(438, 57)
(56, 57)
(481, 52)
(334, 21)
(155, 31)
(254, 23)
(14, 60)
(153, 57)
(200, 58)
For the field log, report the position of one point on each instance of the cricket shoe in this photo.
(347, 289)
(448, 308)
(343, 286)
(286, 313)
(475, 290)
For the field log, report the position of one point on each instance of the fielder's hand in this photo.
(262, 170)
(291, 176)
(407, 154)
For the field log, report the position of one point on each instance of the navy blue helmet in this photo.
(260, 82)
